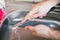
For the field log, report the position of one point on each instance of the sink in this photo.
(51, 20)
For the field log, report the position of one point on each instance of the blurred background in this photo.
(12, 5)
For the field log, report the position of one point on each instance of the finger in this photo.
(38, 14)
(34, 16)
(45, 14)
(33, 6)
(29, 15)
(41, 25)
(24, 20)
(27, 27)
(42, 15)
(32, 12)
(31, 28)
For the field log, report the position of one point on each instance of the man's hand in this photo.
(40, 10)
(43, 31)
(39, 30)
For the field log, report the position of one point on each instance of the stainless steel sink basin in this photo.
(51, 20)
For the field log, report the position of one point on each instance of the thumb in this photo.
(31, 28)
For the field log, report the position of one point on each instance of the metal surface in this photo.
(52, 20)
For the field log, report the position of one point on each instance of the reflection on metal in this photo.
(57, 6)
(52, 26)
(57, 10)
(16, 16)
(41, 20)
(14, 29)
(17, 19)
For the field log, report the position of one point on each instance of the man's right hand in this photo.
(40, 10)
